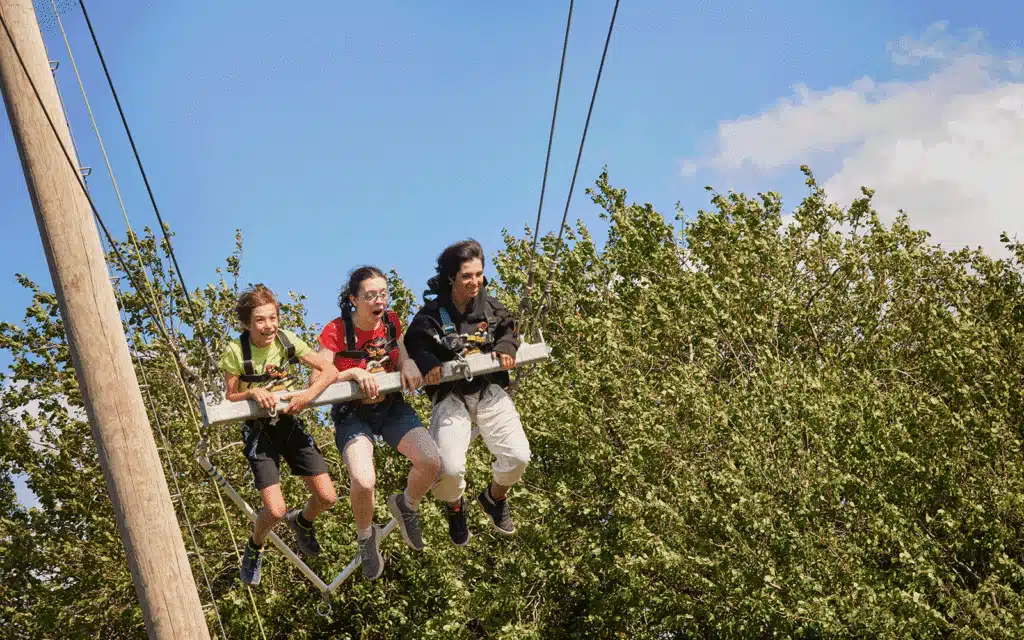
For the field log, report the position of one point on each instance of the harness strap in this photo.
(446, 321)
(289, 348)
(249, 374)
(448, 327)
(351, 352)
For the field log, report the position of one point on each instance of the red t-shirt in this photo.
(333, 338)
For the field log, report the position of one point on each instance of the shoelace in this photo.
(502, 506)
(410, 516)
(365, 543)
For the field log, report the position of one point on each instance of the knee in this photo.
(276, 512)
(327, 497)
(429, 464)
(520, 458)
(451, 468)
(364, 484)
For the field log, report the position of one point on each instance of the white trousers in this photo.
(498, 421)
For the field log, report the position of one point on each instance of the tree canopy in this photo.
(760, 426)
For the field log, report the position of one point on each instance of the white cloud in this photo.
(947, 148)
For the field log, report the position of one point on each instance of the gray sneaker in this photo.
(305, 538)
(369, 553)
(408, 521)
(252, 563)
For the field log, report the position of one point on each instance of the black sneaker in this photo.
(497, 511)
(305, 538)
(458, 530)
(252, 564)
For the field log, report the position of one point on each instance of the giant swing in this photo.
(214, 410)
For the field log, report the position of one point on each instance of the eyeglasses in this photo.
(371, 296)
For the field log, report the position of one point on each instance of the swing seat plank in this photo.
(224, 412)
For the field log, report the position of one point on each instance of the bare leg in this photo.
(497, 490)
(272, 512)
(358, 457)
(419, 448)
(322, 498)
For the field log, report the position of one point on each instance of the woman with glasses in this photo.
(366, 339)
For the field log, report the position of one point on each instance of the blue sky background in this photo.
(345, 133)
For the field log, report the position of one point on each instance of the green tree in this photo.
(747, 429)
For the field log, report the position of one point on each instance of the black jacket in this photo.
(423, 347)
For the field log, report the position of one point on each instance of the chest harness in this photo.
(279, 378)
(464, 344)
(376, 356)
(270, 372)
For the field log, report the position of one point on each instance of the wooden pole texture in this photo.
(127, 451)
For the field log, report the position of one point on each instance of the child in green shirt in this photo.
(255, 365)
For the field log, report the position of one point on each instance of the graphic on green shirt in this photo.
(269, 359)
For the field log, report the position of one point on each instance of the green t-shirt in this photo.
(271, 356)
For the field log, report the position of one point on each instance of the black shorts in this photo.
(266, 443)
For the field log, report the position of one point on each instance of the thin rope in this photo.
(131, 334)
(545, 299)
(106, 159)
(197, 425)
(92, 205)
(527, 303)
(64, 110)
(196, 318)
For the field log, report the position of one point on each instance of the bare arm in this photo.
(353, 374)
(324, 373)
(261, 396)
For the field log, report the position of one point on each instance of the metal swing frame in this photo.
(219, 413)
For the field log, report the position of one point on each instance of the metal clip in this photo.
(462, 364)
(323, 609)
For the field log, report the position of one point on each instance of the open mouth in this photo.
(378, 313)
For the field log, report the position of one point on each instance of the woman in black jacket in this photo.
(463, 319)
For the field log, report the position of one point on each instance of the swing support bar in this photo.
(325, 589)
(218, 413)
(207, 466)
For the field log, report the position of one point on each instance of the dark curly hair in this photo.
(451, 260)
(355, 280)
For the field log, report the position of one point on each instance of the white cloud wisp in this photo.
(948, 149)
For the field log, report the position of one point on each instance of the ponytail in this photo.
(351, 288)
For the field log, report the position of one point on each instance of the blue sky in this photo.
(346, 133)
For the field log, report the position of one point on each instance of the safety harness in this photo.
(364, 354)
(468, 344)
(249, 374)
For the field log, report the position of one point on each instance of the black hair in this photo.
(355, 280)
(451, 260)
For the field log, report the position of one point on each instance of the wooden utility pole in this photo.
(127, 451)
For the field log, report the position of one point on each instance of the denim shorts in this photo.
(390, 419)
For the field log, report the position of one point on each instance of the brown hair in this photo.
(256, 296)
